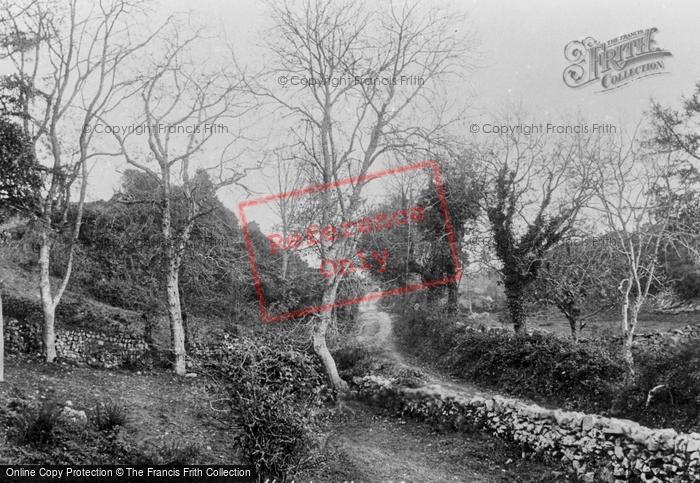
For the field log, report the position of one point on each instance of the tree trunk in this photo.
(632, 311)
(573, 324)
(47, 305)
(629, 321)
(628, 358)
(285, 262)
(148, 330)
(177, 333)
(452, 297)
(186, 330)
(49, 302)
(319, 338)
(516, 308)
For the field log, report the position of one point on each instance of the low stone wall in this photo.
(92, 348)
(643, 339)
(598, 449)
(672, 337)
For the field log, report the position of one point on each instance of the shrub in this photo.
(73, 445)
(677, 403)
(49, 438)
(357, 360)
(274, 392)
(275, 432)
(586, 376)
(35, 427)
(427, 330)
(352, 360)
(273, 364)
(539, 366)
(678, 369)
(16, 307)
(110, 416)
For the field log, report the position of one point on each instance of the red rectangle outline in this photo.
(358, 179)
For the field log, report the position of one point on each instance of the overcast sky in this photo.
(523, 48)
(522, 56)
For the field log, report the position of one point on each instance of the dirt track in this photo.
(369, 445)
(376, 330)
(375, 327)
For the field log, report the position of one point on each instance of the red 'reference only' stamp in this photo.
(361, 262)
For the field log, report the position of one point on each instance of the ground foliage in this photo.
(676, 402)
(274, 392)
(586, 376)
(20, 180)
(120, 258)
(357, 360)
(44, 437)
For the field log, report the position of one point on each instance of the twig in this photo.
(655, 390)
(220, 410)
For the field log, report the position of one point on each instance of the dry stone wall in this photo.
(92, 348)
(597, 448)
(660, 339)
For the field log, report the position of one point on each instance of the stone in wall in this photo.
(96, 349)
(596, 448)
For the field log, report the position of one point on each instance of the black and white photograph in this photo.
(308, 241)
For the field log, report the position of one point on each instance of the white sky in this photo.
(522, 45)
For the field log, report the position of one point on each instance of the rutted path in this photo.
(368, 444)
(376, 330)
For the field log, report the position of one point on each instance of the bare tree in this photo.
(360, 82)
(185, 106)
(629, 178)
(67, 58)
(675, 133)
(579, 277)
(288, 177)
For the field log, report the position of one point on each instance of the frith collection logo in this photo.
(616, 62)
